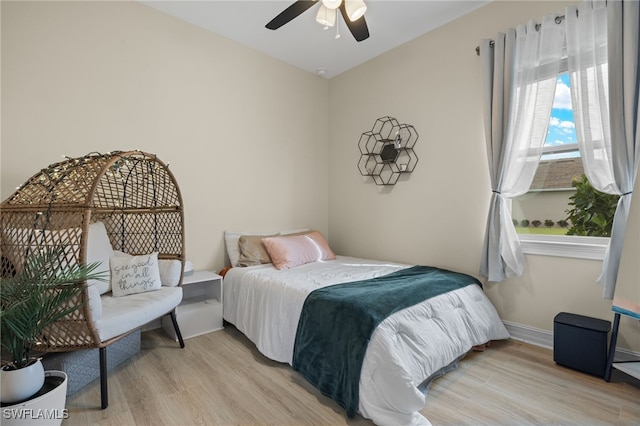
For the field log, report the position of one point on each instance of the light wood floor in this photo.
(221, 379)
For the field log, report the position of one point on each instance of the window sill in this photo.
(592, 248)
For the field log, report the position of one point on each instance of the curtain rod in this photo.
(558, 20)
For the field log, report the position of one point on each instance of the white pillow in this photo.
(232, 239)
(170, 270)
(118, 253)
(134, 274)
(99, 250)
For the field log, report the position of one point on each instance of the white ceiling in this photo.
(303, 42)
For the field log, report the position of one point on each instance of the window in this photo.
(542, 210)
(541, 215)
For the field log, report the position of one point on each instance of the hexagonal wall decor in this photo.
(386, 151)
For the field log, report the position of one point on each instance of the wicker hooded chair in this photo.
(136, 197)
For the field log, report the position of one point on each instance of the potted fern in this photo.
(31, 300)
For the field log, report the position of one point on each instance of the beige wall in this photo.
(245, 134)
(437, 215)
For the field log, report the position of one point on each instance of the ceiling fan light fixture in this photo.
(355, 21)
(355, 9)
(325, 16)
(331, 4)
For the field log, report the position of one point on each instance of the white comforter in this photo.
(406, 348)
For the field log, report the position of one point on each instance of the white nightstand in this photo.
(201, 309)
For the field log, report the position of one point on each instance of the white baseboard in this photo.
(535, 336)
(544, 338)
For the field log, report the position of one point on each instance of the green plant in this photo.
(549, 223)
(536, 223)
(562, 223)
(592, 212)
(36, 297)
(524, 223)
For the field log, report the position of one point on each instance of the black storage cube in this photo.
(580, 342)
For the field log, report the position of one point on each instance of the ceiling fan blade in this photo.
(290, 13)
(358, 27)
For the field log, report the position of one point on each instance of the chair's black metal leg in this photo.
(612, 347)
(104, 395)
(174, 320)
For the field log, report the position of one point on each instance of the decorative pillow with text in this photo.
(134, 274)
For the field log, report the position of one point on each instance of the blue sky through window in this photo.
(562, 129)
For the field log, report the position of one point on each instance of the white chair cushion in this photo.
(95, 303)
(99, 250)
(123, 314)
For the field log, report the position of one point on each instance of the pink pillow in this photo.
(291, 251)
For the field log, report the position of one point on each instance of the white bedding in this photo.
(408, 347)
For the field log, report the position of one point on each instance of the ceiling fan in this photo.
(352, 12)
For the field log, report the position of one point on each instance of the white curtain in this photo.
(519, 79)
(602, 49)
(589, 73)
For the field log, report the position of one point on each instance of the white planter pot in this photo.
(18, 385)
(43, 410)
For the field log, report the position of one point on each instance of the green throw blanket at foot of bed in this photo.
(337, 322)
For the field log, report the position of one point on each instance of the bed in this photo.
(403, 353)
